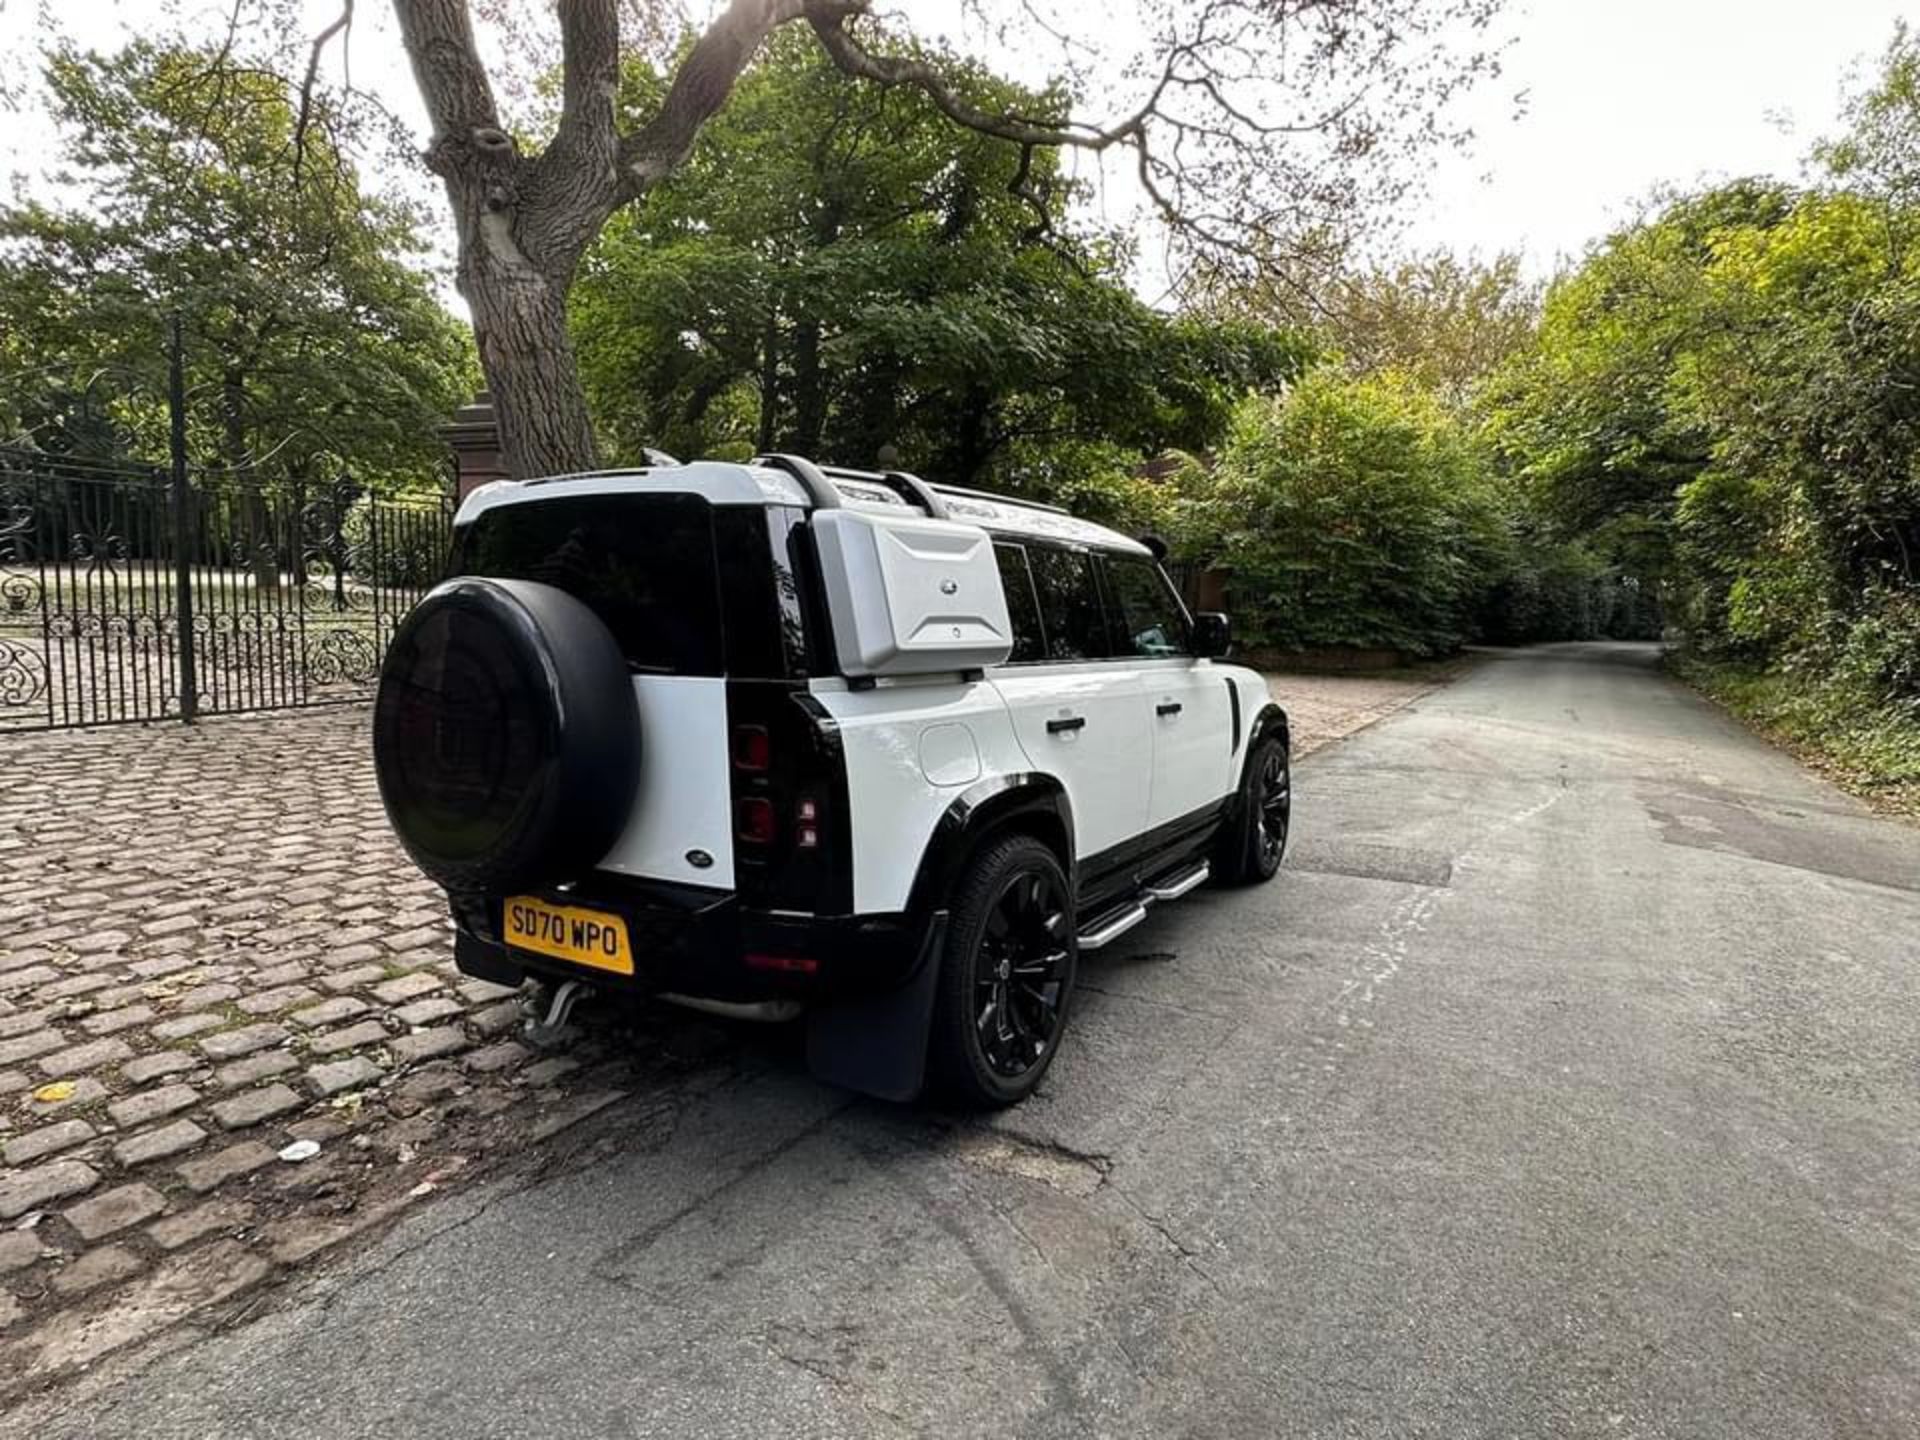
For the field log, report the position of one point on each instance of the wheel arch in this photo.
(1270, 719)
(1028, 802)
(878, 1044)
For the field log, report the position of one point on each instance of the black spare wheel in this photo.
(505, 736)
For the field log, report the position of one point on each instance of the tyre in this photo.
(506, 739)
(1254, 838)
(1006, 981)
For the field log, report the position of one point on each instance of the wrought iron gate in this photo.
(126, 594)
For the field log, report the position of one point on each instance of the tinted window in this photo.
(1029, 643)
(1069, 596)
(1152, 620)
(759, 595)
(642, 563)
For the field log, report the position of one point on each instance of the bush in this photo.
(1349, 513)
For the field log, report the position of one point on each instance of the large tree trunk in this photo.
(520, 327)
(524, 221)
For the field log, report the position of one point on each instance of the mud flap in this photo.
(877, 1044)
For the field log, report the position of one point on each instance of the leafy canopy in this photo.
(838, 270)
(1731, 391)
(310, 325)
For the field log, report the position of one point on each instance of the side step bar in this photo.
(1174, 889)
(1111, 930)
(1111, 926)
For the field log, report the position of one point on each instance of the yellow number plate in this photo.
(586, 937)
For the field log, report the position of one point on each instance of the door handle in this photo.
(1061, 727)
(1167, 707)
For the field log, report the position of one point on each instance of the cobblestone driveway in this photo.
(211, 948)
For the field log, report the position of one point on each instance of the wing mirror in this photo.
(1212, 635)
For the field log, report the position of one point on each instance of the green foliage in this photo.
(1352, 512)
(309, 324)
(839, 270)
(1727, 398)
(1563, 591)
(1441, 320)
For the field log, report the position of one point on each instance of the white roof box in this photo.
(910, 595)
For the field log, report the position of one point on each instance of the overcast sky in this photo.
(1630, 94)
(1620, 98)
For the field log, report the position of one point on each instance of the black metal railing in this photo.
(130, 593)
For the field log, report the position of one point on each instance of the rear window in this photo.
(643, 563)
(1069, 599)
(1029, 642)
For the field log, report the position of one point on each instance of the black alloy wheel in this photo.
(1254, 836)
(1275, 798)
(1021, 970)
(1006, 982)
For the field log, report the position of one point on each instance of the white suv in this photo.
(779, 738)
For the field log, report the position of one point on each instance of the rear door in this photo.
(1079, 712)
(1186, 703)
(645, 564)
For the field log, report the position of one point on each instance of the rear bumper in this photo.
(704, 943)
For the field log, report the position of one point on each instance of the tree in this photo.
(1231, 159)
(1443, 321)
(1588, 417)
(307, 327)
(837, 269)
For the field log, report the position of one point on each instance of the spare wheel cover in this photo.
(506, 736)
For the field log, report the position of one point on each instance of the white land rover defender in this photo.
(779, 738)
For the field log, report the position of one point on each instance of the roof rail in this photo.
(819, 489)
(1001, 499)
(909, 487)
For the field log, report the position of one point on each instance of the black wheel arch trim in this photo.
(1271, 718)
(982, 809)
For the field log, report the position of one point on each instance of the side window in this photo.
(1069, 596)
(1152, 620)
(1029, 643)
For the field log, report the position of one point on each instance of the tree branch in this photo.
(304, 117)
(590, 79)
(700, 87)
(829, 19)
(438, 35)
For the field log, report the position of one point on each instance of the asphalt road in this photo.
(1566, 1084)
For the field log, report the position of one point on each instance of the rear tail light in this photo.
(752, 750)
(753, 820)
(806, 830)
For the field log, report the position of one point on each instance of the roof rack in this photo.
(909, 487)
